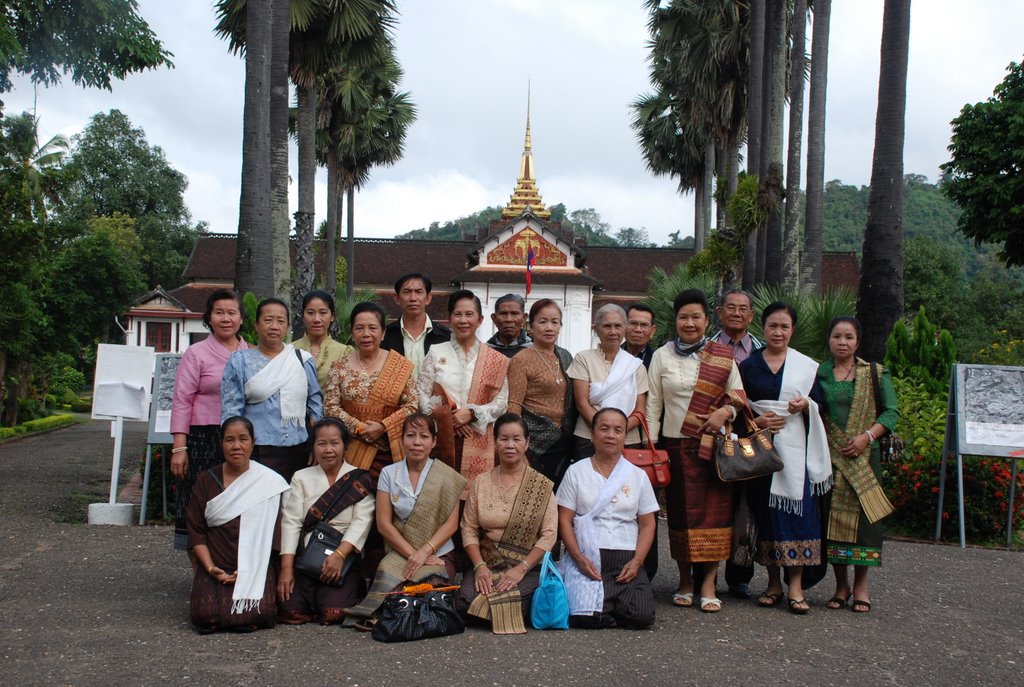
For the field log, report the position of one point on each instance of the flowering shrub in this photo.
(1005, 350)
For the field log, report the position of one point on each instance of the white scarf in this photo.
(283, 373)
(255, 495)
(619, 389)
(798, 447)
(586, 595)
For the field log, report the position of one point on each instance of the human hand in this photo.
(482, 580)
(771, 421)
(372, 431)
(462, 417)
(285, 584)
(221, 576)
(797, 405)
(587, 567)
(179, 464)
(713, 422)
(856, 446)
(629, 571)
(330, 573)
(511, 578)
(416, 561)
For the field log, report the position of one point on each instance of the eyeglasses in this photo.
(742, 309)
(633, 324)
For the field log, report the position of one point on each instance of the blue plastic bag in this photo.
(549, 609)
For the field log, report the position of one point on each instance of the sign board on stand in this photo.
(984, 417)
(120, 392)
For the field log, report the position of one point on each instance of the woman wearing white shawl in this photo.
(781, 385)
(234, 526)
(607, 377)
(606, 512)
(275, 386)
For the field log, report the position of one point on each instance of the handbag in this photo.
(324, 540)
(653, 461)
(549, 608)
(409, 617)
(742, 458)
(890, 444)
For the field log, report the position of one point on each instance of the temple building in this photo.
(491, 263)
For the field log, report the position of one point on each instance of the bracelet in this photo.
(526, 566)
(338, 552)
(209, 571)
(180, 449)
(871, 437)
(433, 548)
(479, 565)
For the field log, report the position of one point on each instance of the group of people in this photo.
(433, 455)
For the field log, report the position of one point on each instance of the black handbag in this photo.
(323, 542)
(408, 617)
(742, 458)
(890, 444)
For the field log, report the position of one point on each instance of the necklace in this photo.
(372, 362)
(598, 470)
(555, 370)
(849, 373)
(503, 491)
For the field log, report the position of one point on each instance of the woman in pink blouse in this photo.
(195, 411)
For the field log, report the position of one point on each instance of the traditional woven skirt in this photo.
(313, 600)
(700, 506)
(786, 539)
(467, 592)
(210, 605)
(284, 460)
(629, 605)
(867, 549)
(203, 453)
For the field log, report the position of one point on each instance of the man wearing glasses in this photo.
(639, 330)
(734, 315)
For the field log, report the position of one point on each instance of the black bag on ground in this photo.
(408, 617)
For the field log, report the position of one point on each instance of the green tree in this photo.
(93, 40)
(116, 171)
(630, 237)
(984, 175)
(880, 299)
(810, 265)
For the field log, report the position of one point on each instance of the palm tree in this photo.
(280, 221)
(791, 230)
(254, 256)
(880, 298)
(810, 265)
(770, 173)
(755, 106)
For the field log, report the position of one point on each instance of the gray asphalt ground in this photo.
(86, 605)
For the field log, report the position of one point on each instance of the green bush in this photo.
(69, 379)
(81, 406)
(926, 354)
(30, 409)
(68, 396)
(37, 425)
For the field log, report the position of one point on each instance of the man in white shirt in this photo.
(414, 333)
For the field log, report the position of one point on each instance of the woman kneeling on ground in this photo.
(509, 524)
(340, 495)
(606, 511)
(233, 530)
(417, 514)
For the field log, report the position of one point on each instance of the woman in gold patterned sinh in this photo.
(371, 391)
(510, 522)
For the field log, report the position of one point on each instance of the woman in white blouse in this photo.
(341, 495)
(463, 385)
(606, 512)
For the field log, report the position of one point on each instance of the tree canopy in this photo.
(985, 176)
(92, 40)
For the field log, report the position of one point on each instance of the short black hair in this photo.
(511, 298)
(510, 419)
(328, 422)
(272, 301)
(221, 295)
(642, 307)
(602, 411)
(845, 318)
(400, 282)
(540, 305)
(317, 294)
(238, 420)
(367, 306)
(689, 297)
(460, 295)
(779, 306)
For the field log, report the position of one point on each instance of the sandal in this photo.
(860, 606)
(365, 625)
(767, 600)
(710, 604)
(799, 606)
(837, 602)
(683, 600)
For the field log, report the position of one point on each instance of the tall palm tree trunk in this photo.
(331, 239)
(755, 104)
(810, 265)
(721, 164)
(254, 257)
(772, 134)
(791, 231)
(698, 217)
(880, 298)
(304, 219)
(350, 254)
(281, 28)
(709, 185)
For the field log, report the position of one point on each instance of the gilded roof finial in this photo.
(526, 194)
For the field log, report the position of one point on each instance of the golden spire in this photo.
(526, 193)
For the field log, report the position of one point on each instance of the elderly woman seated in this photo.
(341, 496)
(606, 511)
(233, 530)
(509, 523)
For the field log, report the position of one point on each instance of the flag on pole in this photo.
(529, 269)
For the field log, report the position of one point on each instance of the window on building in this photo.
(158, 335)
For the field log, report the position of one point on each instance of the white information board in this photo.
(123, 378)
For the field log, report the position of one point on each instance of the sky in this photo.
(468, 65)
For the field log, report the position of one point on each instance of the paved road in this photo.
(84, 605)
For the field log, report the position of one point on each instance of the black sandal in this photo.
(796, 609)
(859, 606)
(837, 602)
(767, 600)
(365, 625)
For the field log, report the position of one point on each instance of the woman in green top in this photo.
(317, 318)
(855, 421)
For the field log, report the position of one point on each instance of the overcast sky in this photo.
(467, 65)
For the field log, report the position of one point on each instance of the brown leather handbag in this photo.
(742, 458)
(652, 461)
